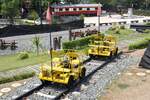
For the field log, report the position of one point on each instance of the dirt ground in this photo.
(132, 84)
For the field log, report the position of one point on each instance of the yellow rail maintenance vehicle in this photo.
(64, 71)
(104, 46)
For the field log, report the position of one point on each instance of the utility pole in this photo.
(98, 15)
(40, 8)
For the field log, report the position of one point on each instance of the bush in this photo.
(77, 44)
(117, 31)
(112, 28)
(16, 77)
(147, 31)
(147, 23)
(140, 44)
(122, 27)
(141, 12)
(33, 15)
(23, 55)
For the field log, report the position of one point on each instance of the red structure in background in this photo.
(78, 9)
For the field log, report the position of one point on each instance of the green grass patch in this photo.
(17, 77)
(120, 32)
(9, 62)
(123, 86)
(77, 44)
(139, 44)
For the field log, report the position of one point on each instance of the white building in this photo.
(118, 19)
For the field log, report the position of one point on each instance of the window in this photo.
(88, 8)
(92, 8)
(74, 9)
(80, 8)
(60, 9)
(67, 9)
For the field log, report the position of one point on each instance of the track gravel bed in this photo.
(53, 90)
(89, 89)
(97, 83)
(31, 84)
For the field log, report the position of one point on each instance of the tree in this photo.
(37, 43)
(10, 9)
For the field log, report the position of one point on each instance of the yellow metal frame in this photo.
(103, 47)
(59, 73)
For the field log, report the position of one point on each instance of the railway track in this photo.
(36, 91)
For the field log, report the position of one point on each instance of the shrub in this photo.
(23, 55)
(117, 31)
(77, 44)
(140, 44)
(16, 77)
(147, 23)
(112, 28)
(6, 79)
(33, 15)
(36, 41)
(141, 12)
(147, 31)
(122, 27)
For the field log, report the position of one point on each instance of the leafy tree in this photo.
(37, 43)
(10, 9)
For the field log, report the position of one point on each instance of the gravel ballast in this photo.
(96, 85)
(89, 89)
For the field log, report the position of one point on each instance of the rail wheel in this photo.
(116, 52)
(43, 82)
(70, 82)
(83, 73)
(91, 56)
(110, 56)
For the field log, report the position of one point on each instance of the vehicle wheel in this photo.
(83, 73)
(43, 82)
(91, 56)
(110, 56)
(116, 52)
(70, 82)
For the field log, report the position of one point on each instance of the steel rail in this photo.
(75, 85)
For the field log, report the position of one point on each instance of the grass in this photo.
(121, 34)
(12, 62)
(140, 44)
(16, 77)
(123, 86)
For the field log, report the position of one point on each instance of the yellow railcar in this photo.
(65, 71)
(105, 46)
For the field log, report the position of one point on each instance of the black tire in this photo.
(146, 59)
(116, 52)
(110, 56)
(43, 82)
(70, 82)
(91, 56)
(83, 73)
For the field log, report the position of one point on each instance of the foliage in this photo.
(16, 77)
(139, 44)
(23, 55)
(147, 31)
(9, 62)
(10, 9)
(33, 15)
(37, 43)
(123, 86)
(77, 44)
(122, 27)
(141, 12)
(82, 17)
(147, 23)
